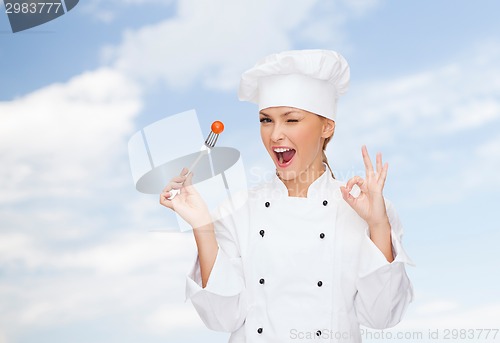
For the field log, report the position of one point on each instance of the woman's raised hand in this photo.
(188, 203)
(370, 204)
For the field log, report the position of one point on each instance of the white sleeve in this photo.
(384, 290)
(222, 303)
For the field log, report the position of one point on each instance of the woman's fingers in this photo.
(164, 196)
(177, 181)
(172, 185)
(381, 169)
(175, 184)
(355, 180)
(346, 191)
(187, 186)
(367, 161)
(165, 201)
(379, 163)
(189, 180)
(346, 195)
(383, 174)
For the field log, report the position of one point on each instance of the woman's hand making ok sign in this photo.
(370, 204)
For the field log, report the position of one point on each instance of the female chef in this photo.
(303, 259)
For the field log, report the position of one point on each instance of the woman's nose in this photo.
(277, 133)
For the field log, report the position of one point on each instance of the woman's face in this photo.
(294, 140)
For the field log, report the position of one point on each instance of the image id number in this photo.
(32, 7)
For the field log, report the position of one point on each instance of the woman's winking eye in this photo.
(269, 120)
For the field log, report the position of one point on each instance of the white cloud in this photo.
(107, 11)
(73, 245)
(456, 173)
(325, 27)
(169, 317)
(435, 307)
(442, 321)
(119, 254)
(59, 139)
(122, 3)
(438, 122)
(144, 2)
(213, 42)
(482, 169)
(445, 100)
(489, 149)
(483, 316)
(476, 113)
(361, 6)
(126, 272)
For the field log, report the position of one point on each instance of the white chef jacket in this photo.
(292, 269)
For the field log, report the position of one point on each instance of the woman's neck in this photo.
(298, 187)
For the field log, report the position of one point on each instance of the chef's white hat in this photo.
(311, 80)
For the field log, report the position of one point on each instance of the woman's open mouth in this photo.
(284, 156)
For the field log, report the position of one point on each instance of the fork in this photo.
(216, 129)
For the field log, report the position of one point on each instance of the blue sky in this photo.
(79, 261)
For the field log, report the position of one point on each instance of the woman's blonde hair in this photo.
(325, 159)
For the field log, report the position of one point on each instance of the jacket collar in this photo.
(323, 185)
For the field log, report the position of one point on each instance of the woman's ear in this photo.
(328, 128)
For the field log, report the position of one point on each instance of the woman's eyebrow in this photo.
(282, 114)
